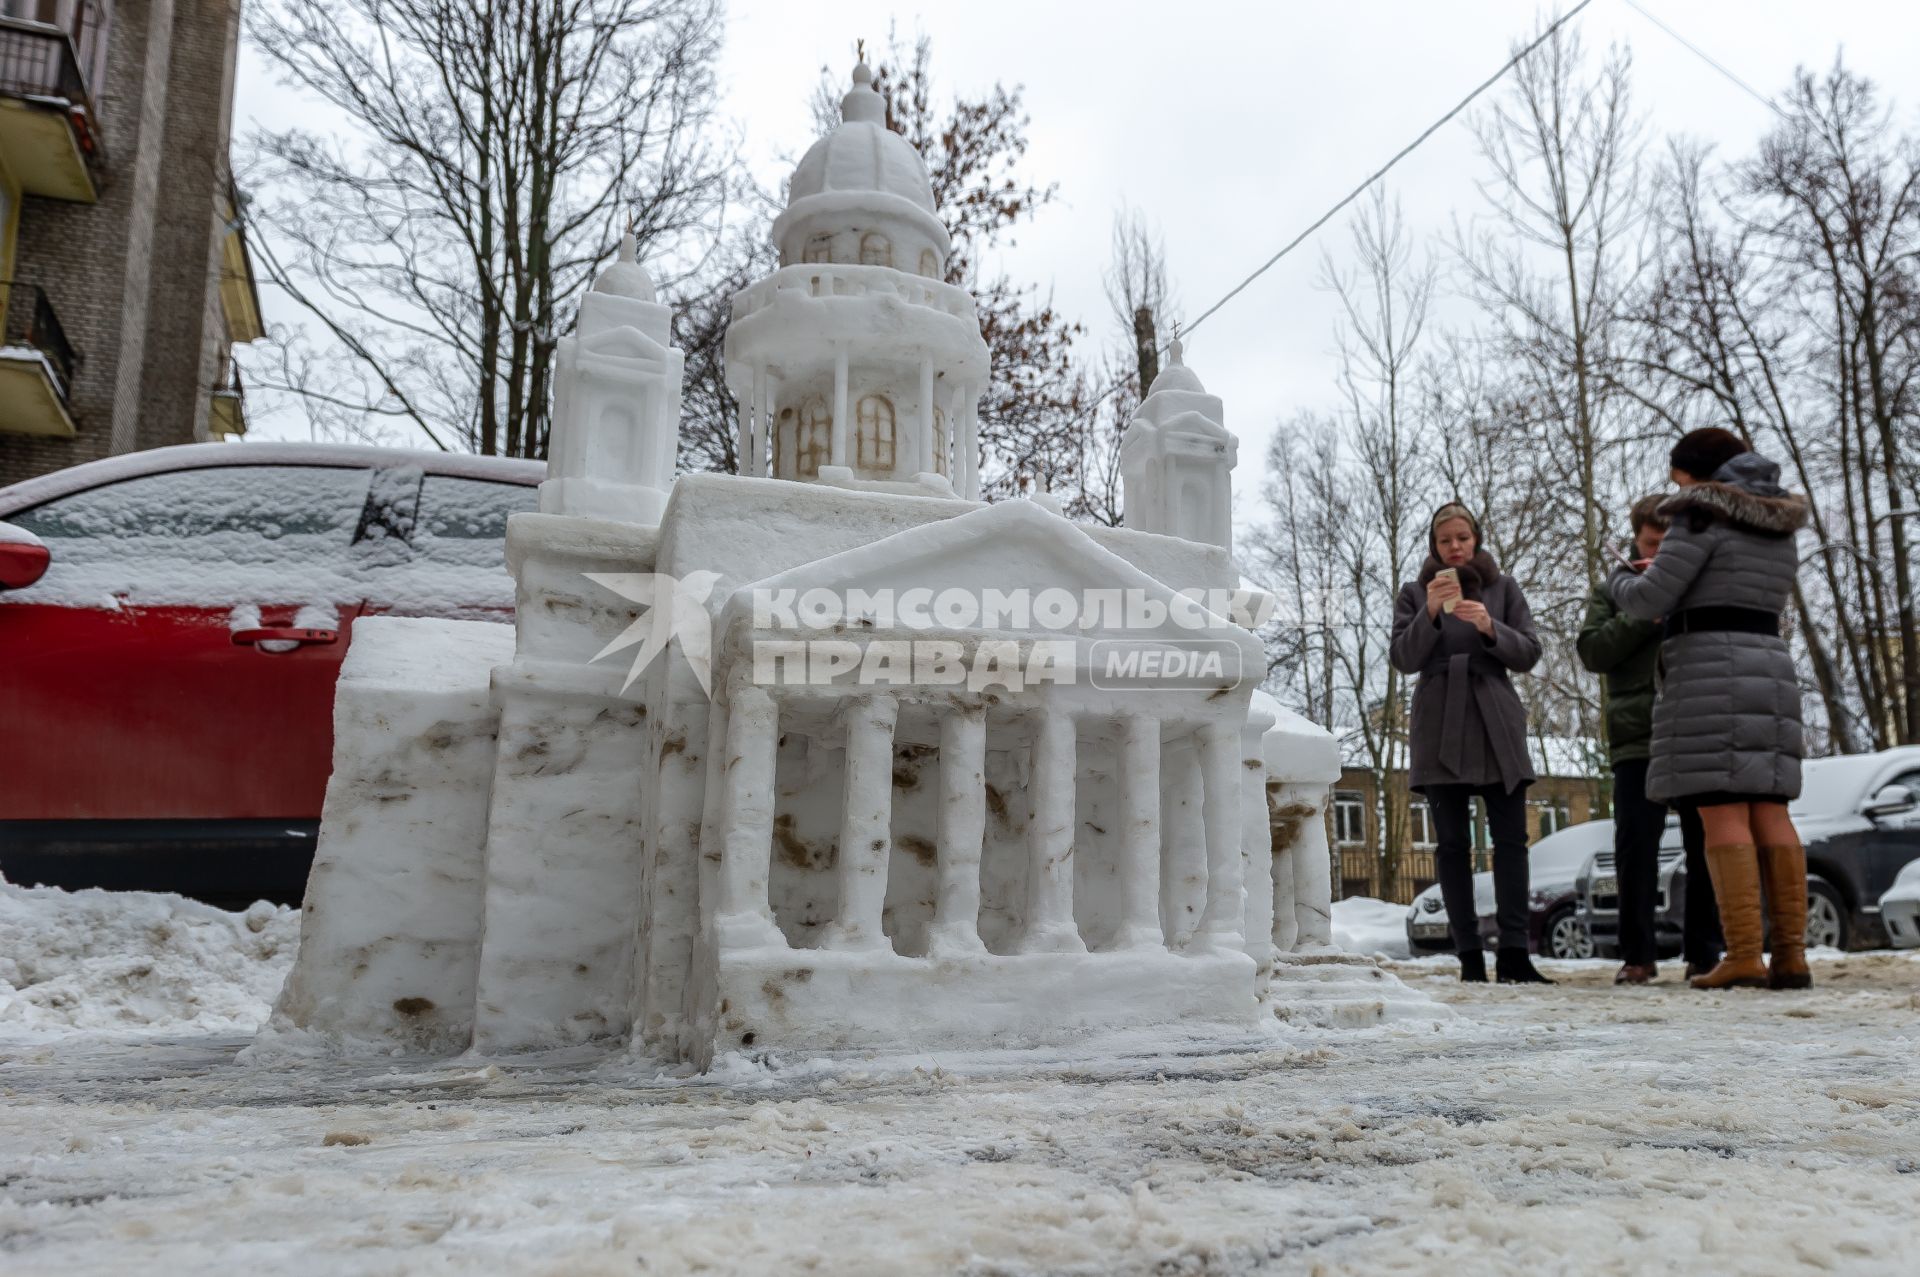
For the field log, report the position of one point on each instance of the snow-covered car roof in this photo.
(1841, 785)
(200, 456)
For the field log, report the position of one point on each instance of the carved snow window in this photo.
(875, 445)
(929, 263)
(876, 249)
(939, 441)
(784, 442)
(819, 249)
(813, 447)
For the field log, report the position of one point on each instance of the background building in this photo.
(126, 279)
(1572, 790)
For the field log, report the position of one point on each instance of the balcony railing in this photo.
(37, 62)
(823, 279)
(32, 325)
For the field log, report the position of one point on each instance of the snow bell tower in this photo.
(616, 402)
(856, 363)
(1177, 460)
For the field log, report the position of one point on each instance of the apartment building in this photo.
(124, 276)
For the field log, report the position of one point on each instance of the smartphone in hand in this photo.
(1620, 557)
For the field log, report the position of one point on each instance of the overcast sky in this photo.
(1232, 126)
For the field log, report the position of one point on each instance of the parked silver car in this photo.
(1900, 908)
(1598, 893)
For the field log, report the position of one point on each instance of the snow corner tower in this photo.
(856, 363)
(616, 410)
(1177, 459)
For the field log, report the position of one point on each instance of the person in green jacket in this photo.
(1625, 652)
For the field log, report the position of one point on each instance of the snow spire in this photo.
(863, 105)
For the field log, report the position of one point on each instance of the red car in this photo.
(171, 626)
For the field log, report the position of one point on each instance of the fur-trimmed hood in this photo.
(1745, 492)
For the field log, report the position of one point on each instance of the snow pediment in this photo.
(624, 343)
(1012, 548)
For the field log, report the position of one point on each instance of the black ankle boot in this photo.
(1473, 967)
(1513, 966)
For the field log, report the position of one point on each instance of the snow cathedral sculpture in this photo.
(939, 828)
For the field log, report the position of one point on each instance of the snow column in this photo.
(1140, 834)
(926, 416)
(1220, 798)
(1312, 872)
(745, 919)
(1050, 924)
(1256, 840)
(963, 819)
(837, 451)
(866, 834)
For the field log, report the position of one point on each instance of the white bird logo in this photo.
(674, 608)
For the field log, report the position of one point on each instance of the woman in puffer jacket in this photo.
(1726, 723)
(1465, 629)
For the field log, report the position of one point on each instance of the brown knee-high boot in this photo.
(1784, 866)
(1735, 869)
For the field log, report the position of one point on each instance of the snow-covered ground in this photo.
(1583, 1126)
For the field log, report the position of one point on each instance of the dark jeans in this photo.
(1638, 822)
(1452, 810)
(1703, 943)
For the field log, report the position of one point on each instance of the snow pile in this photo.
(137, 962)
(1362, 924)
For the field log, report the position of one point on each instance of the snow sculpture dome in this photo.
(1176, 375)
(863, 154)
(855, 362)
(861, 195)
(626, 277)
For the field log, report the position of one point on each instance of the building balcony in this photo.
(37, 364)
(49, 131)
(227, 411)
(825, 279)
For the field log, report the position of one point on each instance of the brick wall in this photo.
(130, 276)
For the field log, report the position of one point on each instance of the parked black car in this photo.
(1554, 928)
(1859, 816)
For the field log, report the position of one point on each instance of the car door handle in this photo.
(285, 634)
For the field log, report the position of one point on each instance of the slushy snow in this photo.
(1614, 1130)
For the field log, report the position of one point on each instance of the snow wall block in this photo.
(390, 927)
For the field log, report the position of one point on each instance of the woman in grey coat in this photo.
(1465, 629)
(1726, 723)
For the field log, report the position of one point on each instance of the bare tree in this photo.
(1841, 203)
(1144, 315)
(1346, 511)
(1786, 307)
(1556, 258)
(499, 148)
